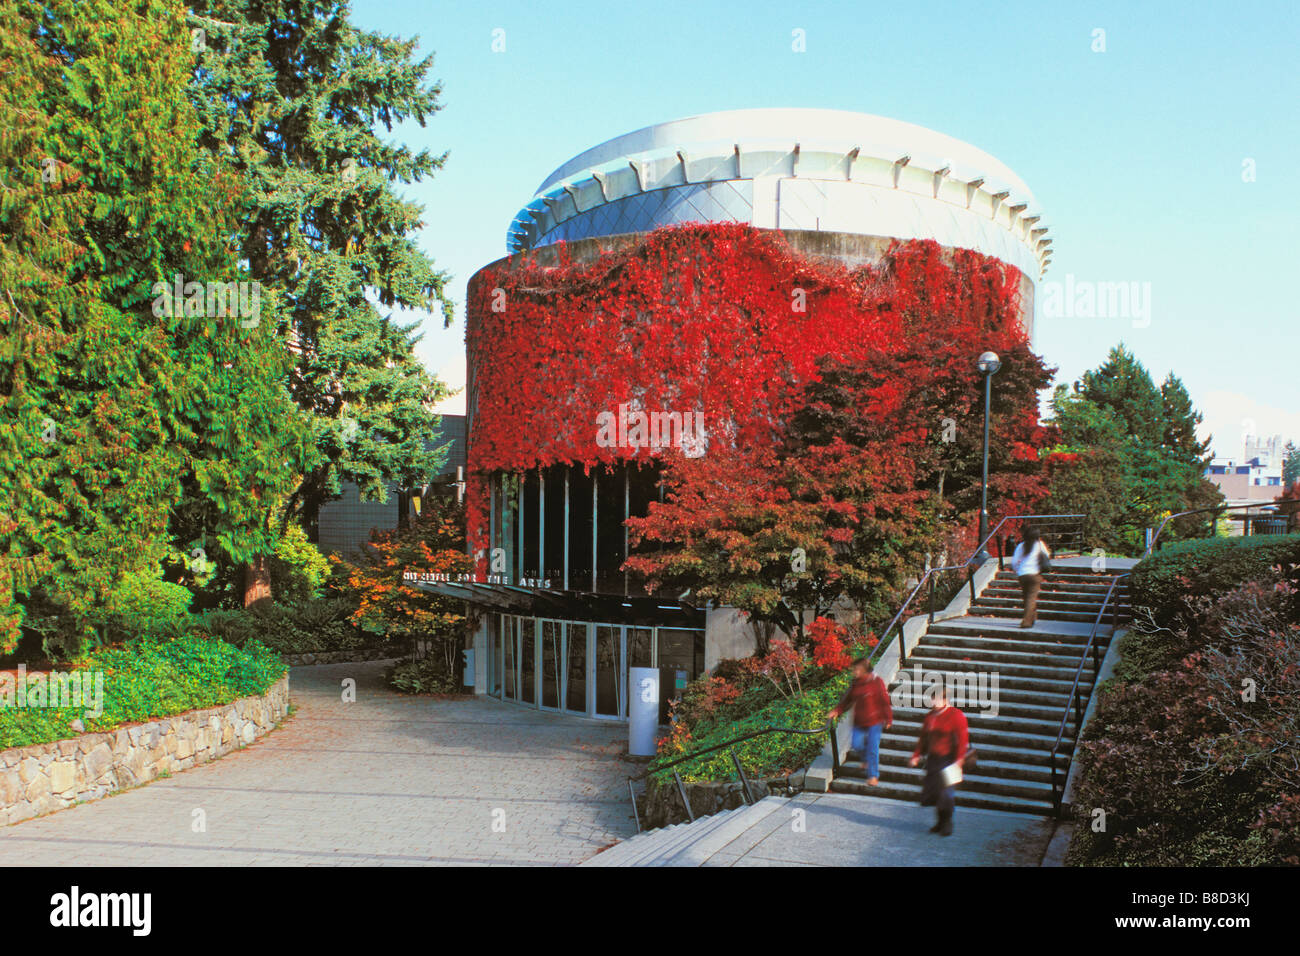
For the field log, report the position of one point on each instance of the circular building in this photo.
(605, 341)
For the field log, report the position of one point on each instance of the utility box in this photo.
(642, 711)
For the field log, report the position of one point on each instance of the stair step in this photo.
(964, 798)
(1031, 642)
(741, 820)
(1045, 725)
(988, 766)
(1059, 673)
(1048, 603)
(906, 734)
(653, 843)
(959, 655)
(977, 782)
(1081, 617)
(1020, 756)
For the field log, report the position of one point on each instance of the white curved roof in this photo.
(837, 171)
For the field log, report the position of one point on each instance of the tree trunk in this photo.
(257, 581)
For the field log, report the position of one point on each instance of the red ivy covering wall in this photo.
(722, 319)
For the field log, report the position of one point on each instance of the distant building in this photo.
(1257, 475)
(345, 525)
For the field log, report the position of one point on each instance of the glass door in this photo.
(528, 660)
(575, 668)
(510, 657)
(611, 675)
(552, 664)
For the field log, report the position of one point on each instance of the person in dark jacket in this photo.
(872, 715)
(945, 738)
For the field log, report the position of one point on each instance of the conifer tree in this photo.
(1180, 419)
(142, 405)
(294, 92)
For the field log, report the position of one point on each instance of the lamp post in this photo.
(988, 365)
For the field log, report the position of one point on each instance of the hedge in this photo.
(1209, 566)
(145, 680)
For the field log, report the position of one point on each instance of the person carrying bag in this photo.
(945, 744)
(1030, 561)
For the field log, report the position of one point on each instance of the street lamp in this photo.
(988, 365)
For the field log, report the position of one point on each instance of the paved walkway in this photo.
(835, 829)
(390, 780)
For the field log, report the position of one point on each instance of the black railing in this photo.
(1214, 512)
(746, 789)
(970, 566)
(1075, 701)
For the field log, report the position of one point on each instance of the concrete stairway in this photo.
(689, 844)
(1033, 669)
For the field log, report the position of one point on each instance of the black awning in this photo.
(571, 605)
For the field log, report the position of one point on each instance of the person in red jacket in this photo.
(945, 738)
(872, 715)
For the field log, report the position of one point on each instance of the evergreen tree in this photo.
(1179, 420)
(1123, 384)
(142, 404)
(1290, 465)
(293, 91)
(1098, 482)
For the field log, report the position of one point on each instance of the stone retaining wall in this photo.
(344, 657)
(45, 777)
(662, 803)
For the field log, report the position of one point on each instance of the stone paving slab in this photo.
(387, 780)
(834, 829)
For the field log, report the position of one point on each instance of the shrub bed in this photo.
(312, 626)
(143, 680)
(1163, 581)
(780, 689)
(1194, 750)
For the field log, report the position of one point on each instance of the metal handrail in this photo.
(968, 566)
(1217, 510)
(828, 729)
(1075, 701)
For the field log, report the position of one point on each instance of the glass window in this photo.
(611, 676)
(551, 660)
(510, 656)
(576, 669)
(680, 660)
(528, 660)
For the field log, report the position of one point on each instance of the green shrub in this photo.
(428, 675)
(146, 680)
(1163, 581)
(143, 605)
(298, 570)
(323, 624)
(708, 718)
(1175, 590)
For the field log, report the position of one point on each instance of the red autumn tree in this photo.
(390, 602)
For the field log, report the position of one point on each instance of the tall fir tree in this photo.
(1290, 464)
(294, 92)
(142, 404)
(1123, 384)
(1179, 420)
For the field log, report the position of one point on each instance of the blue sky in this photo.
(1141, 155)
